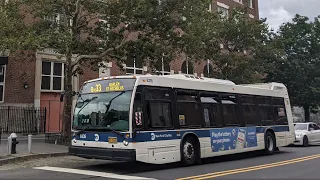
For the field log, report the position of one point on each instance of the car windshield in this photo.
(301, 126)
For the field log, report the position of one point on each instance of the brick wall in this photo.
(232, 3)
(88, 74)
(115, 70)
(176, 64)
(20, 70)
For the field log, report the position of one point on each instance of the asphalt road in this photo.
(288, 163)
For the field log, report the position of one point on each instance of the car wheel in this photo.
(305, 141)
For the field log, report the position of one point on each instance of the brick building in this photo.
(36, 79)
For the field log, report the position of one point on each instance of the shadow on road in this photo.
(138, 167)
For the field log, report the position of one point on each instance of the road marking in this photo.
(92, 173)
(252, 168)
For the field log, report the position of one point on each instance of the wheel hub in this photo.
(188, 150)
(270, 143)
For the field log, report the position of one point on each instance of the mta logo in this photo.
(96, 137)
(153, 136)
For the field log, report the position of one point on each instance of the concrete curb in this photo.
(13, 159)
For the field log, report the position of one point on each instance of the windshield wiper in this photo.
(97, 128)
(84, 129)
(114, 131)
(89, 100)
(109, 105)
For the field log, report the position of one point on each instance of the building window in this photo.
(132, 69)
(164, 68)
(208, 70)
(2, 82)
(52, 76)
(57, 19)
(238, 1)
(187, 67)
(250, 3)
(224, 12)
(251, 16)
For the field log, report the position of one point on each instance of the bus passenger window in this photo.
(207, 118)
(188, 108)
(211, 110)
(158, 94)
(265, 109)
(279, 111)
(160, 114)
(249, 111)
(229, 107)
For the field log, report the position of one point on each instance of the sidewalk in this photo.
(39, 149)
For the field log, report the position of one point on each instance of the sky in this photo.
(280, 11)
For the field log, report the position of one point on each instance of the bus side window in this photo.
(279, 111)
(188, 109)
(211, 110)
(138, 119)
(265, 109)
(158, 105)
(249, 111)
(230, 107)
(160, 114)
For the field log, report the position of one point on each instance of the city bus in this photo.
(162, 119)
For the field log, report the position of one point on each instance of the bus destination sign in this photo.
(108, 85)
(115, 86)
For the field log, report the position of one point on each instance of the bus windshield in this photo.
(106, 107)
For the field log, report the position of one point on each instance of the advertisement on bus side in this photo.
(233, 138)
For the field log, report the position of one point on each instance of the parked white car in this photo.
(307, 133)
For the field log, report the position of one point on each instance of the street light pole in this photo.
(162, 64)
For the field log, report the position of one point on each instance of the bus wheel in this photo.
(270, 143)
(190, 153)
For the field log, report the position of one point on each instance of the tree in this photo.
(236, 45)
(14, 34)
(140, 29)
(298, 66)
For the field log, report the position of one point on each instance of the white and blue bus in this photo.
(171, 118)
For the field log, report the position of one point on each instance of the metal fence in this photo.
(24, 120)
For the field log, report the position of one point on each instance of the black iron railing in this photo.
(25, 120)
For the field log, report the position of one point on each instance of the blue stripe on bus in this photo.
(162, 135)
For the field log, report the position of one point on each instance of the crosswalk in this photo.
(92, 173)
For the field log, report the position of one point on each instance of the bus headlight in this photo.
(74, 140)
(125, 142)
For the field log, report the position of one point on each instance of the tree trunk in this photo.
(306, 113)
(66, 129)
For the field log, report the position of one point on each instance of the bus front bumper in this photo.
(103, 153)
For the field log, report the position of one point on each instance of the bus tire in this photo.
(190, 151)
(270, 143)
